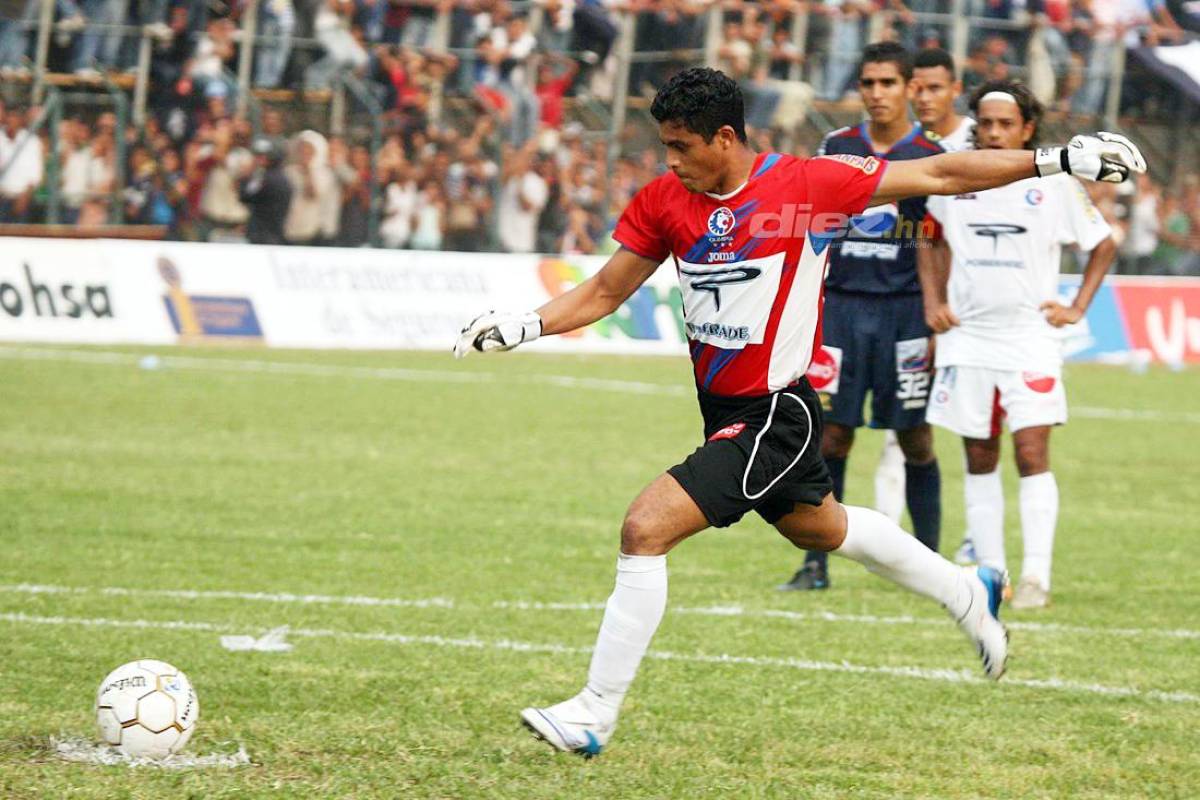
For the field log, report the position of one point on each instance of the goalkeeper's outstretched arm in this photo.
(1107, 157)
(594, 299)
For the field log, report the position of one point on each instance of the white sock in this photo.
(884, 548)
(631, 617)
(1039, 518)
(889, 479)
(985, 517)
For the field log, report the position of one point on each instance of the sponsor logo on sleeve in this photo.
(867, 164)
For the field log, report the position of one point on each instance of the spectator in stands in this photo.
(221, 207)
(22, 163)
(342, 50)
(101, 179)
(75, 158)
(400, 206)
(512, 46)
(429, 226)
(522, 198)
(1137, 251)
(416, 20)
(100, 44)
(210, 65)
(313, 185)
(556, 73)
(276, 23)
(845, 44)
(469, 196)
(266, 192)
(355, 175)
(1179, 234)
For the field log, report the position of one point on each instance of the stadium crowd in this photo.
(508, 170)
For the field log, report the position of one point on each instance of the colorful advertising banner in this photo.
(103, 291)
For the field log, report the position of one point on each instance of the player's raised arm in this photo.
(1102, 156)
(594, 299)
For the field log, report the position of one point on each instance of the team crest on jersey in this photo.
(1034, 197)
(721, 222)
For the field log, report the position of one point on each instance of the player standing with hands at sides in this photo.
(875, 336)
(999, 354)
(736, 225)
(937, 90)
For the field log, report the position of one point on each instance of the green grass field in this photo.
(226, 484)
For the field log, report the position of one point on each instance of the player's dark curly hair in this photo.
(888, 53)
(702, 100)
(935, 57)
(1031, 107)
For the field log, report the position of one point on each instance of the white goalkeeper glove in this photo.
(498, 330)
(1107, 157)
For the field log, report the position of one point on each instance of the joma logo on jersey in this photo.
(725, 255)
(994, 230)
(713, 280)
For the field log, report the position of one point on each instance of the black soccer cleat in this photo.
(811, 577)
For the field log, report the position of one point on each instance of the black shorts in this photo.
(880, 344)
(761, 454)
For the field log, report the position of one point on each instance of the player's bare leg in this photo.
(923, 484)
(861, 534)
(836, 442)
(889, 479)
(661, 516)
(1039, 515)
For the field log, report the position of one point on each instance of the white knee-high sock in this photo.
(1039, 518)
(631, 616)
(884, 548)
(889, 479)
(985, 517)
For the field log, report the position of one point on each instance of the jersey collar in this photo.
(866, 137)
(753, 172)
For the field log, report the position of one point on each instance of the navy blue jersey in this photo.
(879, 254)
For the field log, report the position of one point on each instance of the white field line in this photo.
(867, 619)
(450, 376)
(264, 597)
(922, 673)
(340, 371)
(525, 605)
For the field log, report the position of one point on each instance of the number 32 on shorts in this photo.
(912, 372)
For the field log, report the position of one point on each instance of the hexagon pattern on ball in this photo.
(147, 709)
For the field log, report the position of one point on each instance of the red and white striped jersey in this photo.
(752, 263)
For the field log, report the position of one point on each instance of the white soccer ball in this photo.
(147, 709)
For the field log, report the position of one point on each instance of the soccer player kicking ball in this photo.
(744, 231)
(998, 353)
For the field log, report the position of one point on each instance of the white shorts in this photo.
(973, 401)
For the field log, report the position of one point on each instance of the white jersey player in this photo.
(936, 88)
(999, 354)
